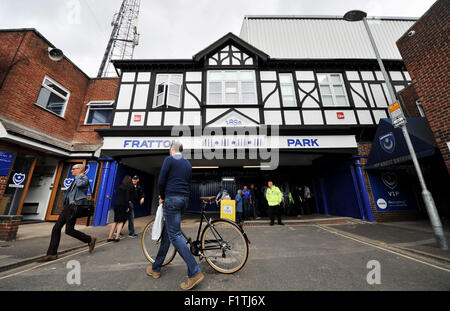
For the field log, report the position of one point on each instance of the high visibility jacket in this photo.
(274, 196)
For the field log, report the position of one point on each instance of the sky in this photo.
(169, 28)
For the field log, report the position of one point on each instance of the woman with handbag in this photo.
(121, 208)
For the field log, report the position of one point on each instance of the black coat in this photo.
(121, 204)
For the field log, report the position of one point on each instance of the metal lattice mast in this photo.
(124, 37)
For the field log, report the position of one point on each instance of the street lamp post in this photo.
(400, 121)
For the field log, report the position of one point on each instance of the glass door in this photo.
(17, 186)
(62, 181)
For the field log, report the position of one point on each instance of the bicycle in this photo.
(222, 243)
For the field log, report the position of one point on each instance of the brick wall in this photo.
(23, 83)
(98, 89)
(426, 55)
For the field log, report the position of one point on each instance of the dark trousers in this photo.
(246, 208)
(276, 209)
(65, 219)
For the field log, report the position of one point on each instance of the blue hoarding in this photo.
(391, 190)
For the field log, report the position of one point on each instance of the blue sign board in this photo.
(91, 173)
(391, 190)
(6, 160)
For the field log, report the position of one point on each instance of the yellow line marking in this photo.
(384, 249)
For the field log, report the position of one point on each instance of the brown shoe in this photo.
(92, 244)
(191, 282)
(154, 274)
(48, 258)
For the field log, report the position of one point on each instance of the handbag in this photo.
(84, 208)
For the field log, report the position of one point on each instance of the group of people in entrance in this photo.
(251, 203)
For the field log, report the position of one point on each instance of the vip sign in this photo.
(391, 190)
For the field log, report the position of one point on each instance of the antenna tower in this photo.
(124, 37)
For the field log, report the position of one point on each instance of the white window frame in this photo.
(66, 98)
(331, 86)
(166, 90)
(239, 80)
(291, 85)
(98, 103)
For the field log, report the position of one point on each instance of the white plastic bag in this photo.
(158, 224)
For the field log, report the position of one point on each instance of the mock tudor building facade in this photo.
(315, 78)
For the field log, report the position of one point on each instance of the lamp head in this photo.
(354, 16)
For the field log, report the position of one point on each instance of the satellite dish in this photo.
(55, 54)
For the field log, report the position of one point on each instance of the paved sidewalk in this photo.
(415, 236)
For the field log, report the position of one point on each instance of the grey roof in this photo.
(324, 37)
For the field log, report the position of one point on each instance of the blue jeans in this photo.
(173, 208)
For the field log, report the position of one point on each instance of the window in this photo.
(168, 90)
(231, 87)
(332, 90)
(99, 112)
(53, 97)
(287, 90)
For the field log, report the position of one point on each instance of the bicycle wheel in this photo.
(224, 246)
(150, 247)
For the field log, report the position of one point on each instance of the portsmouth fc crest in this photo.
(387, 142)
(18, 178)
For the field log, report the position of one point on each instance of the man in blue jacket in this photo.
(238, 200)
(174, 188)
(76, 191)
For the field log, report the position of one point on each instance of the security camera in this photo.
(411, 33)
(55, 54)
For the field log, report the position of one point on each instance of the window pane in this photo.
(173, 101)
(325, 90)
(215, 87)
(215, 98)
(231, 87)
(161, 78)
(340, 101)
(249, 98)
(338, 90)
(285, 78)
(230, 75)
(248, 87)
(55, 88)
(327, 100)
(99, 117)
(287, 90)
(51, 101)
(247, 75)
(335, 79)
(159, 100)
(322, 77)
(289, 101)
(161, 88)
(175, 89)
(214, 75)
(231, 98)
(175, 79)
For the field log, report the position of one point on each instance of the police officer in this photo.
(274, 198)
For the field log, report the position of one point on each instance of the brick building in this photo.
(426, 53)
(49, 111)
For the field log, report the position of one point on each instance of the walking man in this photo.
(274, 198)
(137, 196)
(77, 191)
(174, 188)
